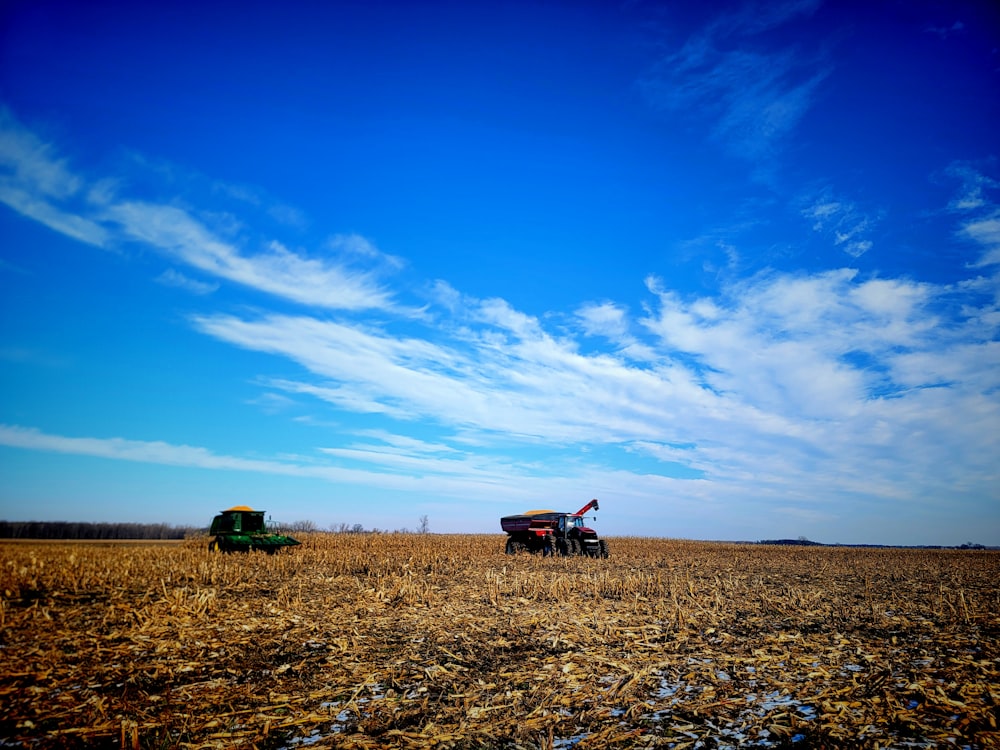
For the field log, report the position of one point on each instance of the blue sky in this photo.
(734, 270)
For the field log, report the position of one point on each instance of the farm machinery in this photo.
(242, 529)
(551, 532)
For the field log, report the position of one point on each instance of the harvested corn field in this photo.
(372, 641)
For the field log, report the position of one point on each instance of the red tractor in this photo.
(553, 533)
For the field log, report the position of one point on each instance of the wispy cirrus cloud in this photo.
(605, 319)
(174, 278)
(32, 164)
(789, 387)
(39, 184)
(985, 231)
(974, 186)
(756, 95)
(463, 476)
(373, 460)
(811, 383)
(842, 221)
(611, 321)
(945, 31)
(980, 214)
(46, 212)
(142, 451)
(277, 270)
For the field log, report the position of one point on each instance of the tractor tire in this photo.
(511, 548)
(603, 547)
(574, 547)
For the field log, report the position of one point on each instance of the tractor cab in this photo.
(238, 520)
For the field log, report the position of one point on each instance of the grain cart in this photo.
(551, 532)
(242, 529)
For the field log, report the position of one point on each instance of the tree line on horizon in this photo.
(803, 542)
(113, 531)
(89, 530)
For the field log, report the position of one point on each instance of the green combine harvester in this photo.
(242, 529)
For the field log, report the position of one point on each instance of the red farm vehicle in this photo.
(553, 533)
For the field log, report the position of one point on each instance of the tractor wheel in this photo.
(511, 548)
(603, 547)
(574, 546)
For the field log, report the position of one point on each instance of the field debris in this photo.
(420, 640)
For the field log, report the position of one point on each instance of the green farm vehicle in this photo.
(242, 529)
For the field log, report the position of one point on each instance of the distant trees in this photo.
(88, 530)
(121, 530)
(423, 527)
(802, 541)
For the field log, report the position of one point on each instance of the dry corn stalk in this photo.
(423, 640)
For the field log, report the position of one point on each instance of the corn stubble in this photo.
(371, 641)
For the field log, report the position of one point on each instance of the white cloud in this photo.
(974, 185)
(174, 278)
(757, 17)
(980, 220)
(819, 384)
(445, 295)
(469, 477)
(756, 97)
(44, 212)
(33, 163)
(843, 222)
(360, 247)
(156, 452)
(34, 180)
(277, 271)
(945, 31)
(38, 184)
(782, 390)
(606, 319)
(414, 457)
(985, 231)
